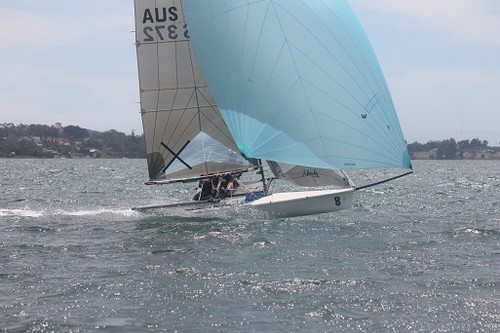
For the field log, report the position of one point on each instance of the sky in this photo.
(74, 62)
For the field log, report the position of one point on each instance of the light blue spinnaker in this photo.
(297, 82)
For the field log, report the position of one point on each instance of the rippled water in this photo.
(419, 254)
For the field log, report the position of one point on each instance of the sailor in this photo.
(236, 178)
(205, 191)
(215, 186)
(221, 188)
(226, 185)
(230, 184)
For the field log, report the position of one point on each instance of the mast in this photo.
(262, 176)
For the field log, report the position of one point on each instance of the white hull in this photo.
(305, 203)
(279, 204)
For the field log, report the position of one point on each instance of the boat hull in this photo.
(288, 204)
(202, 205)
(291, 204)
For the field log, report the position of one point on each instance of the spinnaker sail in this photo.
(297, 82)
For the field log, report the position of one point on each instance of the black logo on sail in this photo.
(310, 173)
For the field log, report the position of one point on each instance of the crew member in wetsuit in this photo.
(205, 192)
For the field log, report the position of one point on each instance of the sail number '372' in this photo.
(161, 31)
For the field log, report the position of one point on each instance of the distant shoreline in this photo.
(57, 141)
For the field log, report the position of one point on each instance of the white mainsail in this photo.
(176, 104)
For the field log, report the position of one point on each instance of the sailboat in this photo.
(228, 87)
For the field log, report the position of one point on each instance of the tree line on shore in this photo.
(450, 149)
(45, 141)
